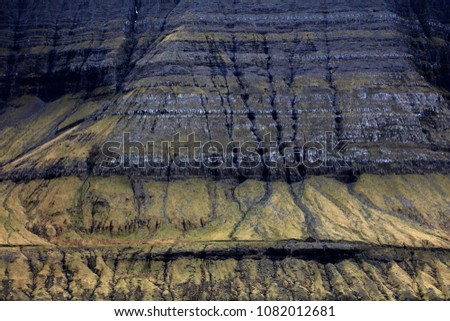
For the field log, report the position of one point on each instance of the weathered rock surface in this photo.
(76, 74)
(115, 238)
(114, 274)
(374, 73)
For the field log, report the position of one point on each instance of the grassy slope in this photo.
(408, 210)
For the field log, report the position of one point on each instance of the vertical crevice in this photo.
(290, 81)
(330, 70)
(251, 115)
(166, 193)
(129, 46)
(297, 190)
(11, 81)
(67, 274)
(166, 277)
(141, 201)
(273, 92)
(216, 60)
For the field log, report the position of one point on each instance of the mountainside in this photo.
(373, 73)
(368, 217)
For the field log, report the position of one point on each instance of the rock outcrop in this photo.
(112, 238)
(373, 73)
(367, 80)
(111, 274)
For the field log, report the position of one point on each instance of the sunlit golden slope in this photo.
(411, 210)
(382, 238)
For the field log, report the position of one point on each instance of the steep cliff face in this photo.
(59, 47)
(373, 73)
(431, 54)
(372, 76)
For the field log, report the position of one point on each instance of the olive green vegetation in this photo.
(130, 274)
(408, 210)
(39, 135)
(102, 238)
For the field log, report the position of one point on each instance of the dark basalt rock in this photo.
(373, 73)
(367, 81)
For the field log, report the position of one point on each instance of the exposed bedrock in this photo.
(381, 238)
(369, 79)
(118, 274)
(374, 74)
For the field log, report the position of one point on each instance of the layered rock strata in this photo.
(374, 74)
(366, 79)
